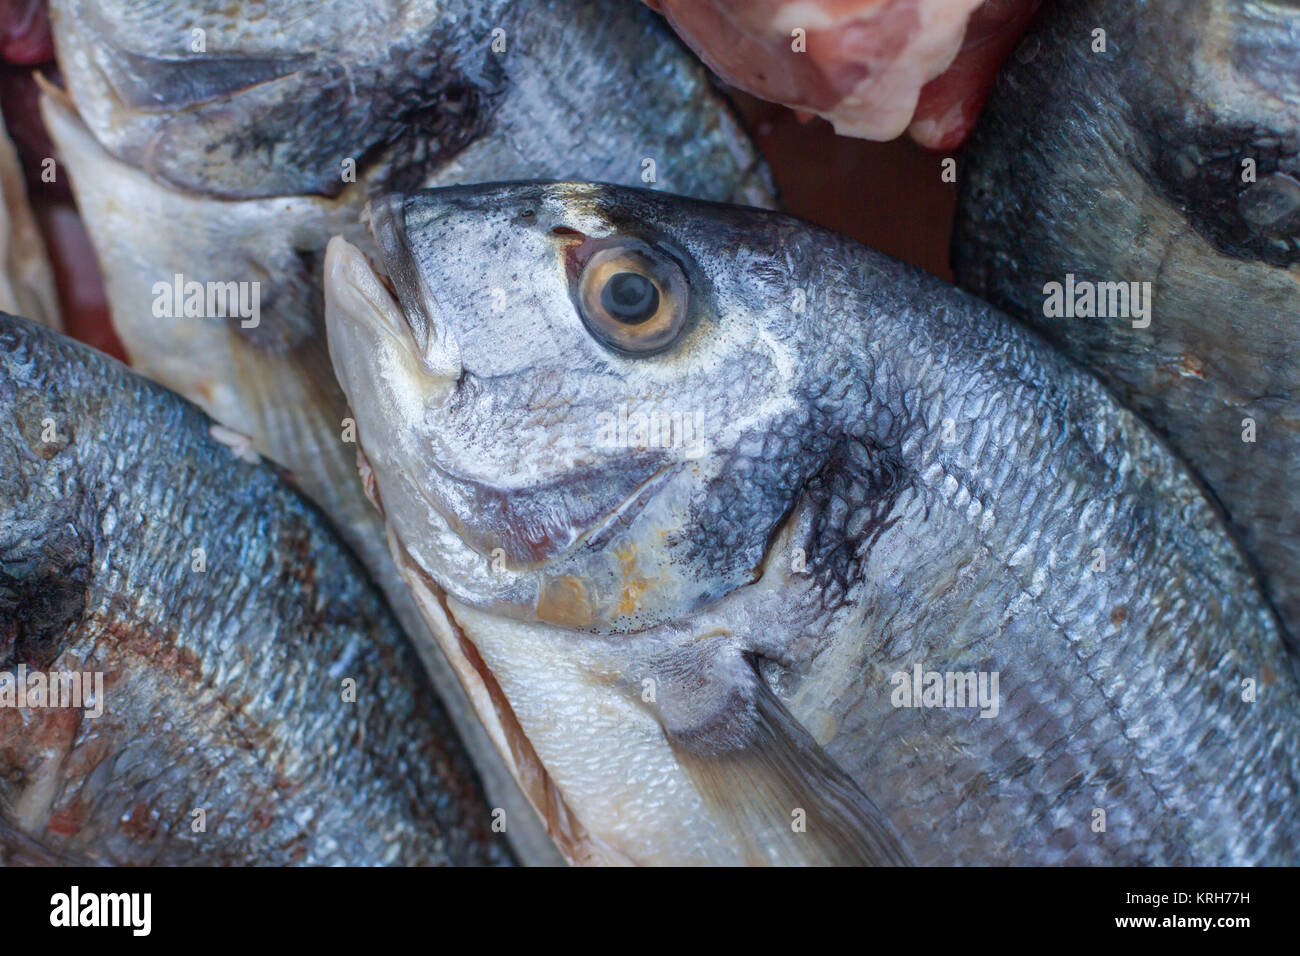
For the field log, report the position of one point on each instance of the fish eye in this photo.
(629, 297)
(1272, 205)
(632, 297)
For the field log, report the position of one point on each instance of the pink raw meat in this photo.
(874, 68)
(25, 32)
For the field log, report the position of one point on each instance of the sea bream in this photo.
(193, 668)
(754, 545)
(224, 144)
(1133, 193)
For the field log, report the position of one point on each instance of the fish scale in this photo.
(1132, 169)
(1122, 689)
(219, 686)
(231, 176)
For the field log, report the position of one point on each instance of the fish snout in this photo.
(435, 343)
(368, 331)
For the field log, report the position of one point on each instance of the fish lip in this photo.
(438, 351)
(385, 216)
(347, 267)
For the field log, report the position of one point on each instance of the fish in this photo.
(194, 670)
(755, 546)
(1149, 153)
(236, 163)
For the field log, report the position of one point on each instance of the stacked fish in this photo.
(550, 497)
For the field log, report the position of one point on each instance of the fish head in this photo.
(569, 383)
(1219, 123)
(1171, 152)
(286, 98)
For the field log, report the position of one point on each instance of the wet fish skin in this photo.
(223, 689)
(1132, 170)
(680, 648)
(246, 187)
(224, 100)
(273, 105)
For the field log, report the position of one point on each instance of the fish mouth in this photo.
(548, 521)
(434, 343)
(354, 288)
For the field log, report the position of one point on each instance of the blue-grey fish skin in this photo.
(892, 475)
(1172, 158)
(271, 104)
(238, 163)
(223, 687)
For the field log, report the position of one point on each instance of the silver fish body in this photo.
(713, 642)
(238, 163)
(256, 702)
(1172, 158)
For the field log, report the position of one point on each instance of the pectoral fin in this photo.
(785, 799)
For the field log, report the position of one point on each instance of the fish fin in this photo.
(783, 795)
(155, 83)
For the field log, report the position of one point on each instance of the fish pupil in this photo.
(630, 298)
